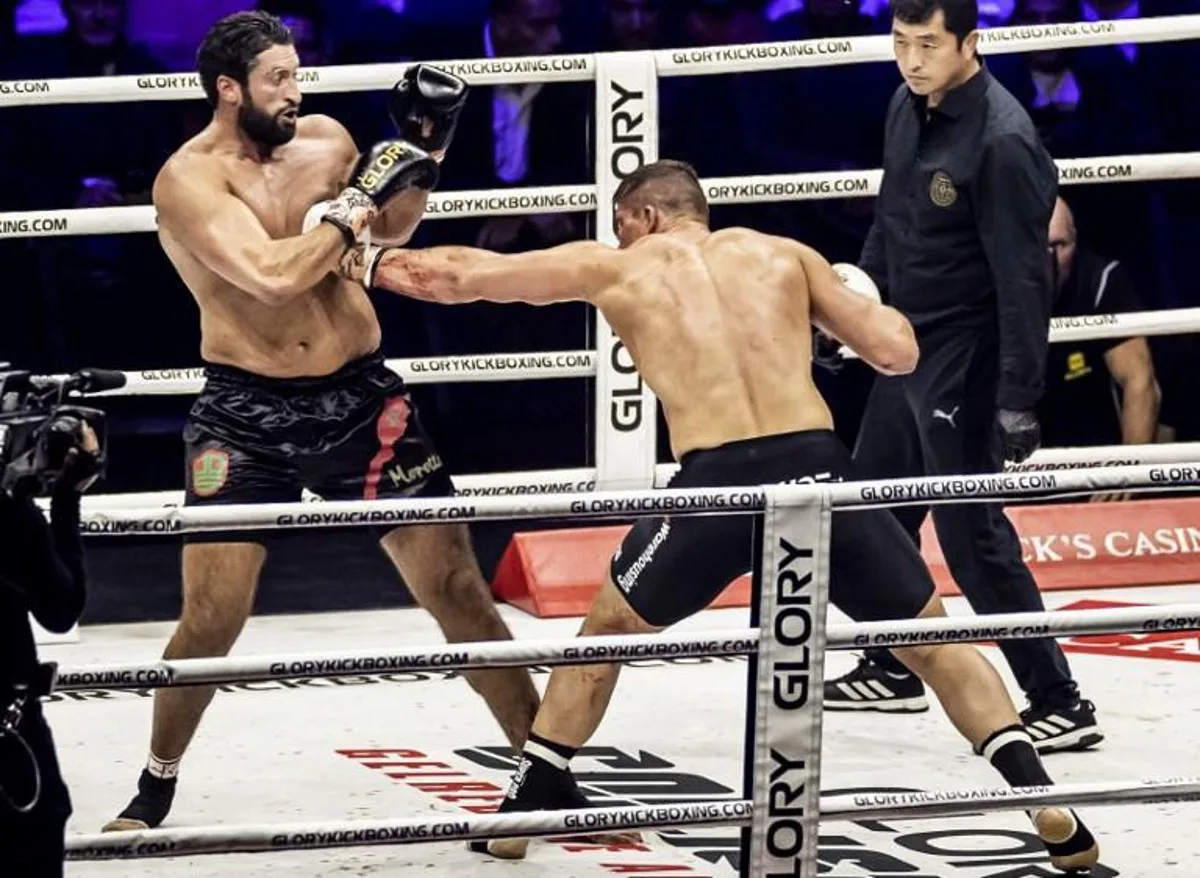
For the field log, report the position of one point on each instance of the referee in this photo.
(960, 246)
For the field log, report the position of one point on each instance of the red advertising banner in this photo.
(1096, 545)
(1067, 546)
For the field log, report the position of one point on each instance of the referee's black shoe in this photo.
(1063, 727)
(871, 687)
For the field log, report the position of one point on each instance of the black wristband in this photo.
(347, 232)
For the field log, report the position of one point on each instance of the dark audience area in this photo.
(114, 301)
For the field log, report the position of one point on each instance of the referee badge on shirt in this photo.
(941, 189)
(1077, 366)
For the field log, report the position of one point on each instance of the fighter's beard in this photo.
(264, 130)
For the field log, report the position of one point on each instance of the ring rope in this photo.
(956, 803)
(543, 365)
(756, 57)
(583, 479)
(255, 838)
(532, 366)
(921, 490)
(582, 68)
(165, 673)
(810, 186)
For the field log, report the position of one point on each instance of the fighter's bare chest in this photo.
(280, 194)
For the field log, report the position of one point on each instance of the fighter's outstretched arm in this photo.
(196, 208)
(454, 275)
(881, 335)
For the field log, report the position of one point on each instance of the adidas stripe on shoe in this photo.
(870, 687)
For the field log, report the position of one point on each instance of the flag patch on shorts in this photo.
(210, 469)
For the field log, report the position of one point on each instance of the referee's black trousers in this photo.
(940, 420)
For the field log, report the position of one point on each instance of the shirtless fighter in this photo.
(718, 324)
(255, 212)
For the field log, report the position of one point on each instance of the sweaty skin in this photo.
(270, 301)
(717, 323)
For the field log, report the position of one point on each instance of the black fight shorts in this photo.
(352, 435)
(670, 568)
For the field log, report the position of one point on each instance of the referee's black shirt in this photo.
(961, 225)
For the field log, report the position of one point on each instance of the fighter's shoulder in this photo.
(752, 238)
(318, 126)
(192, 164)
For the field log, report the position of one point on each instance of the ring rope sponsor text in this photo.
(130, 525)
(1182, 623)
(661, 650)
(733, 500)
(380, 516)
(1075, 173)
(968, 635)
(1021, 33)
(503, 362)
(504, 202)
(799, 49)
(381, 835)
(161, 676)
(849, 184)
(34, 225)
(366, 664)
(24, 87)
(960, 487)
(501, 66)
(578, 487)
(124, 851)
(662, 815)
(892, 800)
(1084, 320)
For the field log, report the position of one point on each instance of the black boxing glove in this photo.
(425, 104)
(382, 172)
(1020, 433)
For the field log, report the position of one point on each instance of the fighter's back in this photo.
(718, 324)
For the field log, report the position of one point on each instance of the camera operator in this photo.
(41, 572)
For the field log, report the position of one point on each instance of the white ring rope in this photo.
(583, 479)
(754, 57)
(621, 648)
(547, 365)
(956, 803)
(531, 366)
(255, 838)
(582, 197)
(1089, 327)
(582, 68)
(544, 365)
(630, 504)
(187, 841)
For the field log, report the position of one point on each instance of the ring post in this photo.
(626, 138)
(783, 751)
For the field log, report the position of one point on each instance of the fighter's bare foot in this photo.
(1072, 847)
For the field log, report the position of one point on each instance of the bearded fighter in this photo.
(255, 212)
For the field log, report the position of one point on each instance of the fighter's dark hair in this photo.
(670, 185)
(232, 46)
(962, 16)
